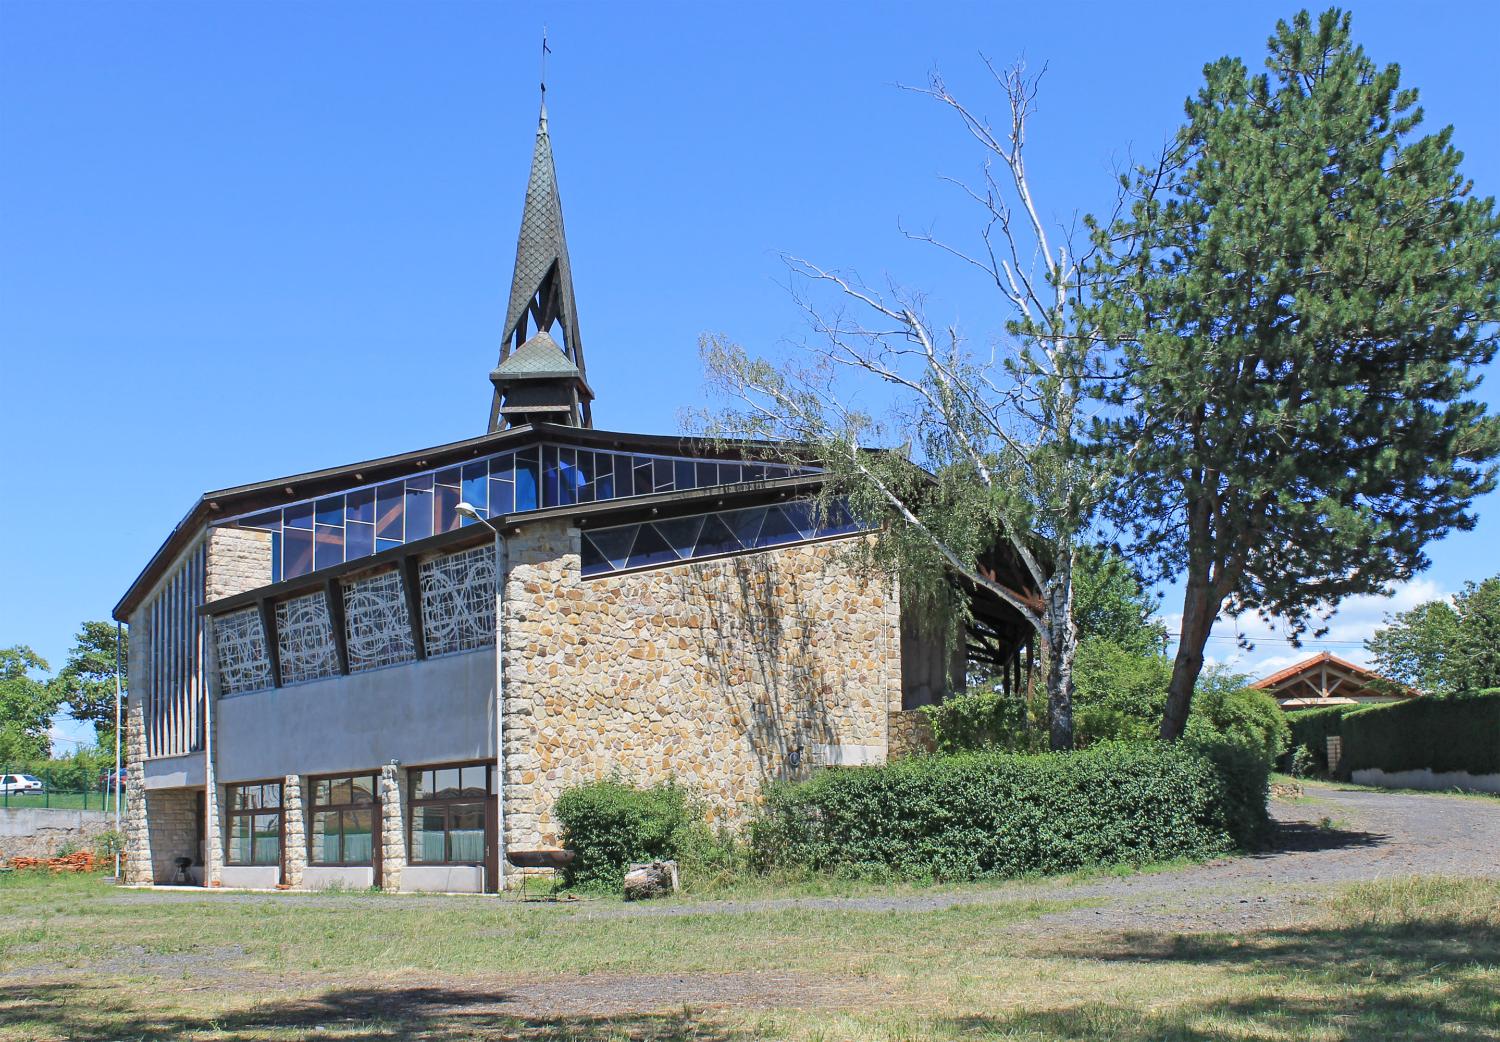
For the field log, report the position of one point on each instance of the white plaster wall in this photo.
(1428, 779)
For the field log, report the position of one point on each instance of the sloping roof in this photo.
(538, 357)
(1318, 677)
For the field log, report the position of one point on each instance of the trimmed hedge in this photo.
(989, 814)
(609, 824)
(1461, 733)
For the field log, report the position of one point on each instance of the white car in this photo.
(16, 784)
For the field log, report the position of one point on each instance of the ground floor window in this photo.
(343, 820)
(254, 824)
(448, 808)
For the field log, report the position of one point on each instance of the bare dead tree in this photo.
(983, 444)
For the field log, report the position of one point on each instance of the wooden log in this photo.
(650, 880)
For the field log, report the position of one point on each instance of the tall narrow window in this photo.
(343, 820)
(448, 814)
(254, 824)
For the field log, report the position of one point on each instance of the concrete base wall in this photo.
(253, 877)
(1427, 779)
(42, 832)
(352, 877)
(443, 879)
(172, 819)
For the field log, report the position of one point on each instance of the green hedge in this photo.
(608, 824)
(999, 814)
(1461, 733)
(1313, 727)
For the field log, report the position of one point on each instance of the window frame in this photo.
(417, 804)
(314, 808)
(231, 814)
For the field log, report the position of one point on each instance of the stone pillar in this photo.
(137, 868)
(392, 826)
(293, 830)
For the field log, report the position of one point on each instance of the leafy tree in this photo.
(1444, 647)
(1301, 303)
(1110, 603)
(86, 683)
(27, 706)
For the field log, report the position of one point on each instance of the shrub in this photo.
(1311, 728)
(1224, 708)
(1461, 733)
(609, 824)
(984, 720)
(1119, 693)
(997, 814)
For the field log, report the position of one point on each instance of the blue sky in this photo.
(239, 240)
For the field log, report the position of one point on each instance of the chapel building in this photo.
(385, 673)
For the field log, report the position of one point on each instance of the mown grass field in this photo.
(80, 960)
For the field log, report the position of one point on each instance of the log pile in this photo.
(82, 861)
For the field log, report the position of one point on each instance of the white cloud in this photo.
(1355, 621)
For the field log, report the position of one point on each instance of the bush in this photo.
(992, 814)
(1311, 729)
(1461, 733)
(984, 720)
(1119, 693)
(609, 824)
(1242, 715)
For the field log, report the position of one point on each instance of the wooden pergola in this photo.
(1327, 680)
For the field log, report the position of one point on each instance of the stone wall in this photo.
(718, 674)
(172, 816)
(910, 734)
(239, 559)
(44, 831)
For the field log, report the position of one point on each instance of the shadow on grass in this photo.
(86, 1013)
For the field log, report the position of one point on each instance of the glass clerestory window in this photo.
(321, 533)
(448, 808)
(254, 820)
(343, 820)
(624, 547)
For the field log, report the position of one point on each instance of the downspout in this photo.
(502, 574)
(119, 696)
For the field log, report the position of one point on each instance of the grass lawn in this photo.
(79, 960)
(61, 800)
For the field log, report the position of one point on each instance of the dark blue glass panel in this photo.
(681, 533)
(624, 477)
(276, 556)
(588, 468)
(716, 538)
(476, 487)
(604, 485)
(502, 497)
(527, 481)
(590, 559)
(661, 475)
(328, 544)
(801, 514)
(359, 540)
(754, 472)
(729, 473)
(296, 552)
(504, 467)
(389, 502)
(418, 512)
(330, 511)
(684, 475)
(360, 506)
(451, 476)
(708, 474)
(838, 520)
(746, 524)
(298, 515)
(549, 476)
(645, 476)
(778, 529)
(421, 481)
(386, 544)
(447, 508)
(271, 522)
(567, 478)
(650, 548)
(615, 543)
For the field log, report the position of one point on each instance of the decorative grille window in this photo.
(305, 639)
(458, 601)
(379, 628)
(244, 664)
(627, 547)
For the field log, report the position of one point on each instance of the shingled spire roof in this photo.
(541, 291)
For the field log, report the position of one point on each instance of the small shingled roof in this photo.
(537, 358)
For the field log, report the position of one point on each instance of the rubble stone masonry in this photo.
(715, 674)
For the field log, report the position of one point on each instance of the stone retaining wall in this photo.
(718, 674)
(44, 831)
(911, 734)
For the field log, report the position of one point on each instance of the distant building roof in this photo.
(1325, 679)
